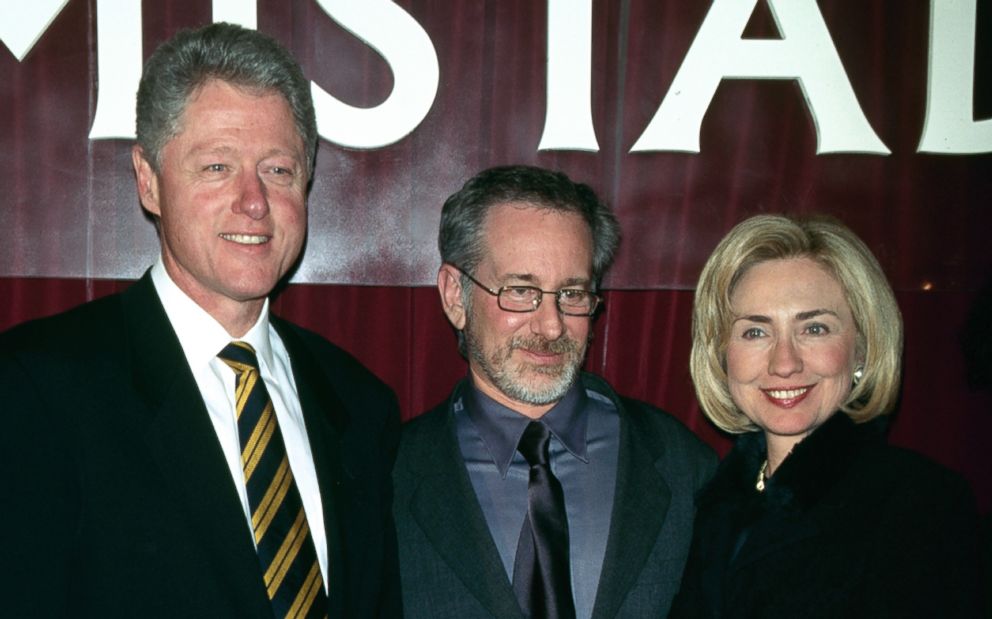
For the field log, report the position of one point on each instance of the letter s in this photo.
(407, 49)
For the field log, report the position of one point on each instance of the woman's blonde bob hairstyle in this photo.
(843, 255)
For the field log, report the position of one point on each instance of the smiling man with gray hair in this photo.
(175, 450)
(535, 490)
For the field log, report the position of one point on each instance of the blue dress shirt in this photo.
(585, 441)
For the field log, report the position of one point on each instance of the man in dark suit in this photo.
(175, 451)
(536, 490)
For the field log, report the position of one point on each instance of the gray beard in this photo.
(511, 384)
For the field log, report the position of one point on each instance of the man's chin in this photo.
(542, 385)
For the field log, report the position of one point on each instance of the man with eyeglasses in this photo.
(535, 490)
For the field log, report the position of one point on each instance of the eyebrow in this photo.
(227, 149)
(800, 316)
(814, 314)
(530, 279)
(219, 149)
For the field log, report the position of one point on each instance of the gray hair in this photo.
(463, 217)
(227, 52)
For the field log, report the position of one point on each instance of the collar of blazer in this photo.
(812, 470)
(444, 506)
(179, 436)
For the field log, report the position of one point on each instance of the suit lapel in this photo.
(446, 510)
(325, 419)
(639, 510)
(182, 441)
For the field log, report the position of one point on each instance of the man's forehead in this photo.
(221, 109)
(534, 244)
(213, 86)
(518, 216)
(526, 206)
(244, 89)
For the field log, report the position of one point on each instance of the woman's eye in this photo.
(817, 329)
(214, 167)
(752, 333)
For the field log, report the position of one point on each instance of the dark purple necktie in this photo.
(541, 572)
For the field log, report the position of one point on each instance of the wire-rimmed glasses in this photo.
(520, 298)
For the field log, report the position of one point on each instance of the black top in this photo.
(847, 527)
(117, 499)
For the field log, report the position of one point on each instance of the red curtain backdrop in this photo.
(641, 346)
(72, 229)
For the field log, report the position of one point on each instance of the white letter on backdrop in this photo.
(118, 65)
(407, 49)
(240, 12)
(568, 119)
(950, 125)
(805, 53)
(23, 23)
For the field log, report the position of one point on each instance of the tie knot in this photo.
(533, 445)
(240, 356)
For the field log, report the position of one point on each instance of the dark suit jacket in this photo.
(117, 501)
(449, 563)
(847, 527)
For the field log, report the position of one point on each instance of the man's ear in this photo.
(147, 181)
(449, 286)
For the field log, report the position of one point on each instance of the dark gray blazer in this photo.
(448, 560)
(117, 500)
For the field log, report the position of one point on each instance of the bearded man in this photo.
(535, 490)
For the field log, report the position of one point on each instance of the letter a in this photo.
(805, 53)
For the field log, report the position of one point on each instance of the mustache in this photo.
(543, 345)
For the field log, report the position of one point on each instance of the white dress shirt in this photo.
(202, 338)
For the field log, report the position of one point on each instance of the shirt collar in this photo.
(501, 427)
(199, 333)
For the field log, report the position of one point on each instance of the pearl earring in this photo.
(858, 375)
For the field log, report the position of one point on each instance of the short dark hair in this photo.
(227, 52)
(463, 217)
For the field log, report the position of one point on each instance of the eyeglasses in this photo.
(570, 301)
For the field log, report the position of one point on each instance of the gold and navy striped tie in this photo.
(282, 536)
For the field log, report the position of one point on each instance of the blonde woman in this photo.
(797, 341)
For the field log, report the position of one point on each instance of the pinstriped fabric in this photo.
(285, 548)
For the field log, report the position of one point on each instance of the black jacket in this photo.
(117, 500)
(450, 565)
(847, 527)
